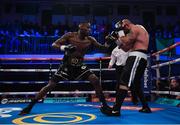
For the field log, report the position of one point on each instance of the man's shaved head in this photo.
(84, 29)
(85, 25)
(126, 22)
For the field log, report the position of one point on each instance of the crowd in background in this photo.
(11, 33)
(170, 85)
(169, 31)
(16, 33)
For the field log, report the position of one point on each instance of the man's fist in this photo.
(109, 39)
(69, 48)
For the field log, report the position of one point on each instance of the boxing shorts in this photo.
(71, 72)
(134, 67)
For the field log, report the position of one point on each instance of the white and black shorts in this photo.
(134, 68)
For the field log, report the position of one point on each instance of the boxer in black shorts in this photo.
(72, 69)
(75, 46)
(138, 40)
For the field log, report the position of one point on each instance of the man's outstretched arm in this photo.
(61, 41)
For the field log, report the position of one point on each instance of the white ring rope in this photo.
(43, 82)
(83, 92)
(166, 63)
(165, 78)
(166, 92)
(46, 70)
(54, 92)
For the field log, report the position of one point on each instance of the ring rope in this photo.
(83, 92)
(43, 82)
(165, 78)
(46, 70)
(75, 81)
(51, 59)
(166, 92)
(54, 92)
(166, 49)
(166, 63)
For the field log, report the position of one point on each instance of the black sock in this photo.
(120, 96)
(140, 94)
(32, 103)
(102, 99)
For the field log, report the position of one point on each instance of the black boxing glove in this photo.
(118, 34)
(110, 39)
(118, 26)
(69, 48)
(115, 34)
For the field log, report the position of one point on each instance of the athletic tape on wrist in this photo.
(62, 47)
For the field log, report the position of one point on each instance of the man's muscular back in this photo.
(142, 38)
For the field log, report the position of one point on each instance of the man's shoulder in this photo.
(140, 27)
(91, 38)
(70, 34)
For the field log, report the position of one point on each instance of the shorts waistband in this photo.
(138, 54)
(141, 50)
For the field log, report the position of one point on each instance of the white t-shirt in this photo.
(118, 56)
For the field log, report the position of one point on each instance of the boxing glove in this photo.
(69, 48)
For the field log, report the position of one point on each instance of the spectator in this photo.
(174, 86)
(56, 33)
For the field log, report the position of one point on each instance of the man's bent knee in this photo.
(93, 78)
(52, 83)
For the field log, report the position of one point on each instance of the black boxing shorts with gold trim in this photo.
(72, 73)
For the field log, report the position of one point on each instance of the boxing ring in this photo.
(72, 107)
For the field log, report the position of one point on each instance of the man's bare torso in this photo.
(82, 45)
